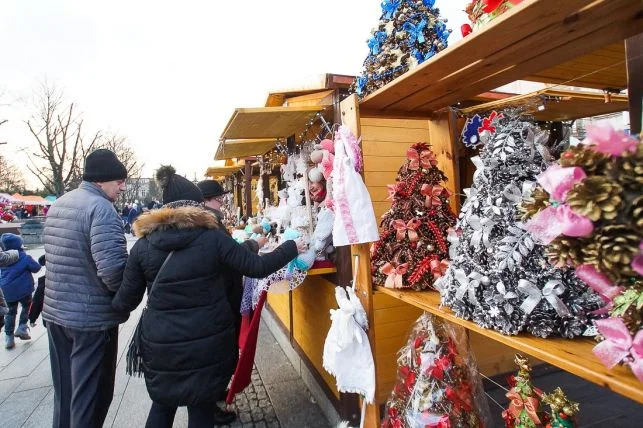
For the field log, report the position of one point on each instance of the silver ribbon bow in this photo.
(482, 229)
(468, 285)
(550, 292)
(454, 241)
(503, 296)
(479, 164)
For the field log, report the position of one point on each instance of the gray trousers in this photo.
(83, 369)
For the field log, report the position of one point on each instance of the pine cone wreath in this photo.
(537, 201)
(628, 169)
(596, 197)
(591, 161)
(612, 251)
(566, 251)
(540, 322)
(636, 214)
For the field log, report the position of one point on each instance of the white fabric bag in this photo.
(354, 216)
(347, 351)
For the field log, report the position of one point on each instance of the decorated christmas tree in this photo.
(498, 276)
(563, 410)
(413, 246)
(525, 407)
(437, 383)
(409, 33)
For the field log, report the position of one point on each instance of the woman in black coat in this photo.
(188, 339)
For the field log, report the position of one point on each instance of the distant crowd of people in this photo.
(186, 341)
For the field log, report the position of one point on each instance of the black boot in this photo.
(223, 417)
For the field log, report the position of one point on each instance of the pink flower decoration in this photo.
(557, 181)
(604, 139)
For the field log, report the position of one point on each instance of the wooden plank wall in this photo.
(311, 304)
(384, 145)
(280, 305)
(393, 321)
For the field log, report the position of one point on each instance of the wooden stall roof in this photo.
(230, 149)
(558, 105)
(574, 356)
(534, 36)
(327, 81)
(268, 122)
(216, 171)
(601, 69)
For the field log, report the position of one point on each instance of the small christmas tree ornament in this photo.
(563, 410)
(525, 408)
(413, 245)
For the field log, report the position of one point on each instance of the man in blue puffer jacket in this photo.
(17, 285)
(86, 253)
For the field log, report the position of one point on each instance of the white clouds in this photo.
(168, 74)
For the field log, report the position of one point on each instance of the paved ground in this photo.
(276, 398)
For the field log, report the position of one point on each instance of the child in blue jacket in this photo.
(17, 285)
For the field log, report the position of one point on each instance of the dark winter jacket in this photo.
(86, 255)
(188, 339)
(16, 280)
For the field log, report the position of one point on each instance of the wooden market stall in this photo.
(566, 43)
(302, 315)
(563, 44)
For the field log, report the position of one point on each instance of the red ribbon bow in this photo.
(438, 268)
(424, 159)
(395, 274)
(402, 229)
(432, 194)
(460, 397)
(487, 122)
(517, 404)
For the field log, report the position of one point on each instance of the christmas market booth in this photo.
(496, 233)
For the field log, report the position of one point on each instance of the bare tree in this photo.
(57, 128)
(11, 180)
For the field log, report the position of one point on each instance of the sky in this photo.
(169, 74)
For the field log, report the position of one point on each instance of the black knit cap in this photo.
(102, 165)
(211, 188)
(176, 188)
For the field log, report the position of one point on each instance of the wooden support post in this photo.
(248, 189)
(364, 282)
(634, 54)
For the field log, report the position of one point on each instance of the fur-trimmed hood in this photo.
(182, 218)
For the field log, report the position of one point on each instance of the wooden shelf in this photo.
(574, 356)
(534, 36)
(322, 271)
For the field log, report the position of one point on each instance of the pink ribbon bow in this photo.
(424, 159)
(599, 282)
(618, 344)
(557, 181)
(432, 194)
(551, 222)
(402, 229)
(395, 274)
(604, 139)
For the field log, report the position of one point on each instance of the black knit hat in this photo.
(102, 165)
(211, 188)
(176, 188)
